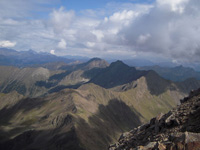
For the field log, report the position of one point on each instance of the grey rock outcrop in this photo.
(177, 130)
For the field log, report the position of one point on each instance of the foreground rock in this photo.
(177, 130)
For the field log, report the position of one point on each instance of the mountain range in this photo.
(10, 57)
(178, 73)
(83, 106)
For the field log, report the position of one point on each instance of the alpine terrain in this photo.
(91, 74)
(83, 106)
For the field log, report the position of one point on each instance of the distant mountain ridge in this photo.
(178, 73)
(10, 57)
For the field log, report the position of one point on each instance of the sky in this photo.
(118, 29)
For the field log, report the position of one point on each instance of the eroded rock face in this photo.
(177, 130)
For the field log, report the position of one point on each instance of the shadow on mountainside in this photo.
(14, 86)
(45, 140)
(72, 134)
(53, 80)
(116, 74)
(61, 137)
(23, 105)
(156, 84)
(105, 126)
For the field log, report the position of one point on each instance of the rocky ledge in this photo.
(179, 129)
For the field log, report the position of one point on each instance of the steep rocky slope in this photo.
(178, 129)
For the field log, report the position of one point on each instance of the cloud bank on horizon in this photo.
(163, 28)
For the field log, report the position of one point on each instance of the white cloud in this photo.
(10, 21)
(175, 61)
(52, 52)
(90, 44)
(7, 44)
(62, 44)
(87, 33)
(172, 34)
(61, 19)
(175, 5)
(168, 28)
(99, 34)
(124, 15)
(143, 38)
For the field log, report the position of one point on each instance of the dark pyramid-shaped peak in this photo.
(156, 84)
(116, 74)
(120, 65)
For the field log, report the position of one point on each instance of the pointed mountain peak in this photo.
(119, 64)
(95, 63)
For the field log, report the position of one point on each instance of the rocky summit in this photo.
(179, 129)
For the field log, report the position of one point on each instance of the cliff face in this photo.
(177, 130)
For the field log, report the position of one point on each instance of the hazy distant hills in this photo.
(26, 58)
(178, 73)
(83, 106)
